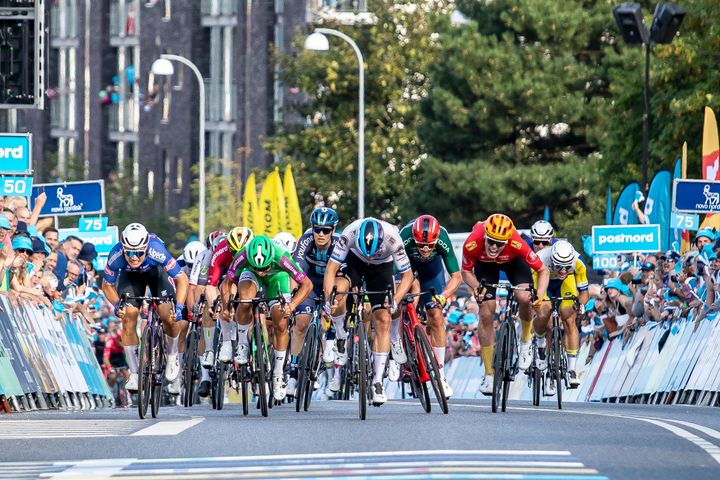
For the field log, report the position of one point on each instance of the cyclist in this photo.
(369, 247)
(492, 246)
(541, 234)
(287, 241)
(568, 278)
(428, 246)
(314, 249)
(263, 265)
(138, 262)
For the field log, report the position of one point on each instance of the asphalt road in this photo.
(397, 441)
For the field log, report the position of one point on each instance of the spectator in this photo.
(19, 279)
(11, 218)
(704, 236)
(68, 250)
(51, 237)
(86, 257)
(618, 304)
(51, 261)
(40, 253)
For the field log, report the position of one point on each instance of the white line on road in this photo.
(95, 469)
(168, 428)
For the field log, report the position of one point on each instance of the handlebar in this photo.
(124, 298)
(362, 293)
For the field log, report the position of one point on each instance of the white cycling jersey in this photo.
(391, 250)
(201, 267)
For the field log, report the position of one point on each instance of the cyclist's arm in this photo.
(110, 274)
(406, 281)
(181, 288)
(306, 286)
(581, 281)
(110, 292)
(451, 264)
(329, 279)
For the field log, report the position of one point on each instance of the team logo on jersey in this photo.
(515, 244)
(156, 255)
(471, 246)
(533, 256)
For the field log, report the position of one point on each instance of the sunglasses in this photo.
(541, 243)
(24, 250)
(263, 269)
(561, 268)
(425, 246)
(495, 243)
(134, 253)
(323, 230)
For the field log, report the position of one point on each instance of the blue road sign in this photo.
(16, 186)
(686, 221)
(15, 153)
(696, 196)
(625, 238)
(104, 241)
(73, 198)
(92, 224)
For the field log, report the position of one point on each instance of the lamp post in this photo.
(666, 22)
(163, 66)
(319, 42)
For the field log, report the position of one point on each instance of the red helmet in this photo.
(426, 229)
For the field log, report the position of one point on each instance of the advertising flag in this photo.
(624, 214)
(658, 205)
(292, 205)
(250, 204)
(268, 214)
(279, 196)
(710, 147)
(608, 209)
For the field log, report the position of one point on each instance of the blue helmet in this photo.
(324, 217)
(369, 237)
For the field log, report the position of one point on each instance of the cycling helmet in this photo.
(542, 230)
(426, 229)
(324, 217)
(210, 240)
(499, 227)
(217, 241)
(563, 254)
(260, 252)
(286, 241)
(238, 238)
(369, 237)
(192, 250)
(135, 237)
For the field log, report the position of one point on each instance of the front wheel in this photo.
(190, 372)
(261, 376)
(419, 388)
(558, 370)
(145, 373)
(499, 367)
(304, 375)
(362, 366)
(432, 367)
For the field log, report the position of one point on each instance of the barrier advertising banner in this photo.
(625, 238)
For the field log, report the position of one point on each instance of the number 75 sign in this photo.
(93, 224)
(686, 221)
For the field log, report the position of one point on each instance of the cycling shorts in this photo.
(431, 275)
(136, 284)
(377, 278)
(273, 285)
(517, 271)
(562, 288)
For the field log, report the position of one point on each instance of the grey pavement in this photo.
(582, 441)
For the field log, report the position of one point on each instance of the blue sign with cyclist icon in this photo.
(696, 196)
(72, 198)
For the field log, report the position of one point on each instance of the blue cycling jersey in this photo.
(156, 255)
(310, 258)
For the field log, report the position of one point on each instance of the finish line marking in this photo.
(172, 427)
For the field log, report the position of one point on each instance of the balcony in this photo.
(219, 108)
(64, 25)
(348, 12)
(219, 13)
(122, 122)
(123, 24)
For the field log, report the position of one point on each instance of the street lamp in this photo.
(163, 66)
(319, 42)
(666, 22)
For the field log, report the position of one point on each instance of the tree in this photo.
(397, 48)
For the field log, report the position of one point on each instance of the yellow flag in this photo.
(683, 161)
(292, 205)
(250, 204)
(280, 213)
(268, 216)
(710, 147)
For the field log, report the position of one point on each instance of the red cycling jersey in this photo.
(219, 263)
(474, 250)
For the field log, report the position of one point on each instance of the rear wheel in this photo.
(245, 387)
(312, 372)
(261, 376)
(362, 365)
(347, 380)
(157, 373)
(536, 384)
(304, 367)
(432, 367)
(189, 374)
(145, 373)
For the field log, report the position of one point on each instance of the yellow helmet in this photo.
(238, 238)
(499, 227)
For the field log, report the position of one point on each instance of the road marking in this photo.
(700, 428)
(97, 469)
(169, 428)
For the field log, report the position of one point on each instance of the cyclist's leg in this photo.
(490, 273)
(303, 314)
(275, 285)
(248, 286)
(519, 274)
(342, 283)
(161, 286)
(432, 277)
(133, 285)
(377, 278)
(568, 314)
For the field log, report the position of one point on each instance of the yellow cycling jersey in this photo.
(578, 270)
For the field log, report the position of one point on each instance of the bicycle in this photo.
(557, 359)
(310, 358)
(152, 357)
(421, 362)
(505, 358)
(359, 376)
(191, 370)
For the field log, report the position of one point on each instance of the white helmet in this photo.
(192, 250)
(563, 254)
(285, 240)
(542, 230)
(134, 237)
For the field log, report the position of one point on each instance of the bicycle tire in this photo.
(557, 353)
(303, 367)
(260, 366)
(510, 363)
(499, 367)
(419, 389)
(362, 372)
(245, 386)
(220, 385)
(144, 373)
(347, 380)
(313, 371)
(432, 367)
(189, 374)
(213, 371)
(158, 371)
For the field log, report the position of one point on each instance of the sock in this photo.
(205, 375)
(279, 363)
(440, 355)
(486, 353)
(131, 355)
(209, 334)
(379, 361)
(572, 359)
(541, 340)
(243, 334)
(339, 323)
(336, 374)
(294, 366)
(526, 328)
(226, 330)
(395, 330)
(172, 345)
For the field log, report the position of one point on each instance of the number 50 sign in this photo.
(16, 186)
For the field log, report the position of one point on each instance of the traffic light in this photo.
(22, 53)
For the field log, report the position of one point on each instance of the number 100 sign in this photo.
(16, 186)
